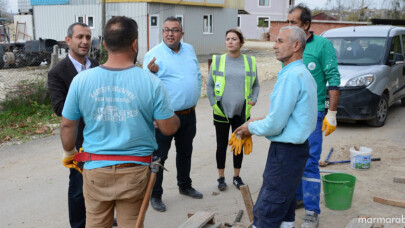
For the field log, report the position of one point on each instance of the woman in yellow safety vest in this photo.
(232, 100)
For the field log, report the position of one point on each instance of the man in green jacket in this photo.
(320, 59)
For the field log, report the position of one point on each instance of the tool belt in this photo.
(185, 111)
(84, 156)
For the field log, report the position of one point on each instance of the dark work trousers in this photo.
(184, 146)
(222, 130)
(77, 210)
(284, 168)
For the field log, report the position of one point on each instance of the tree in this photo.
(396, 8)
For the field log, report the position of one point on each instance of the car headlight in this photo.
(364, 80)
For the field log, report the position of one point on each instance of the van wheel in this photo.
(381, 113)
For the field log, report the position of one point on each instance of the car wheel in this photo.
(381, 112)
(403, 102)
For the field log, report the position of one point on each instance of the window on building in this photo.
(153, 21)
(207, 24)
(90, 21)
(264, 2)
(238, 22)
(80, 19)
(180, 18)
(263, 22)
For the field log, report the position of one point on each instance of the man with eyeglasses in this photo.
(176, 64)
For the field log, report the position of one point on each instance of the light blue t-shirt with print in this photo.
(118, 107)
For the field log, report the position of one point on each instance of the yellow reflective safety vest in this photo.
(218, 76)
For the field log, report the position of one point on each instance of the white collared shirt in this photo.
(78, 66)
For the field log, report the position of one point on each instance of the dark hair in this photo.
(238, 33)
(120, 32)
(173, 19)
(305, 13)
(70, 29)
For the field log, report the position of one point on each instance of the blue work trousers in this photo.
(276, 201)
(77, 209)
(184, 147)
(310, 187)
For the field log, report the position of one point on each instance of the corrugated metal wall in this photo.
(223, 19)
(52, 21)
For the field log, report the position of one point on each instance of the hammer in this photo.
(154, 168)
(344, 161)
(326, 162)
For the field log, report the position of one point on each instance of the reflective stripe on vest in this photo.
(218, 76)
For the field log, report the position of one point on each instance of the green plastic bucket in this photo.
(338, 190)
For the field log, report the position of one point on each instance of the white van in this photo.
(371, 64)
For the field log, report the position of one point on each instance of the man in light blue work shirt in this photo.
(291, 120)
(176, 64)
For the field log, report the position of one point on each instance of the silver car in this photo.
(371, 64)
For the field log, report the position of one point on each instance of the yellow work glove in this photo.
(236, 144)
(68, 162)
(248, 145)
(329, 122)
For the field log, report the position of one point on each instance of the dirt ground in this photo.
(33, 190)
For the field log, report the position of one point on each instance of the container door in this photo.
(154, 31)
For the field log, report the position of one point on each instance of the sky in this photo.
(13, 6)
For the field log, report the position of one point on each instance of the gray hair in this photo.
(70, 29)
(296, 34)
(174, 19)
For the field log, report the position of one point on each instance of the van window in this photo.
(403, 44)
(359, 50)
(395, 47)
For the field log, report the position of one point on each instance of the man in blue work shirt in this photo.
(320, 59)
(176, 64)
(291, 120)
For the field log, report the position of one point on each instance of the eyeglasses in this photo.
(174, 30)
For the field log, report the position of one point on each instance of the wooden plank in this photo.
(392, 202)
(247, 199)
(394, 225)
(198, 220)
(399, 180)
(215, 225)
(212, 221)
(354, 223)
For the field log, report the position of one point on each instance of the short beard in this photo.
(174, 46)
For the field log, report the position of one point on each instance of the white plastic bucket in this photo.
(360, 159)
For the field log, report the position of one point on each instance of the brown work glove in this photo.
(68, 162)
(247, 145)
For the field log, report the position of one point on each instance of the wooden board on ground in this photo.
(198, 220)
(212, 221)
(399, 180)
(247, 199)
(354, 223)
(392, 202)
(394, 225)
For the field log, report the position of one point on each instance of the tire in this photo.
(381, 112)
(403, 102)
